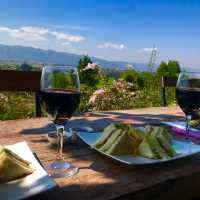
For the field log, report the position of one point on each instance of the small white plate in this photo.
(35, 183)
(180, 146)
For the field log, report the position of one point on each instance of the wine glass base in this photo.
(61, 169)
(188, 145)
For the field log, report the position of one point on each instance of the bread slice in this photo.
(163, 131)
(119, 138)
(166, 145)
(124, 144)
(115, 134)
(167, 135)
(136, 133)
(105, 135)
(156, 148)
(144, 150)
(164, 138)
(12, 166)
(136, 136)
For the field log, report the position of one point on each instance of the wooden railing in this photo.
(11, 80)
(166, 81)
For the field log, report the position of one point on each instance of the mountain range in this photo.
(35, 55)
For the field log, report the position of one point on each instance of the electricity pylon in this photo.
(152, 61)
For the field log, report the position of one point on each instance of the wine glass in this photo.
(59, 97)
(188, 97)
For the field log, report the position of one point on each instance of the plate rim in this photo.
(151, 161)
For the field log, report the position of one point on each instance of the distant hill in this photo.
(34, 55)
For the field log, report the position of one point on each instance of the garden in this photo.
(101, 89)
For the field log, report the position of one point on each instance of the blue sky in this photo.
(110, 29)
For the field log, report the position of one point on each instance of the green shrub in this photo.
(172, 68)
(88, 72)
(119, 95)
(86, 92)
(16, 105)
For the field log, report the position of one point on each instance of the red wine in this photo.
(189, 100)
(59, 104)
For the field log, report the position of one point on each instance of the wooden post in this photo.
(162, 93)
(38, 110)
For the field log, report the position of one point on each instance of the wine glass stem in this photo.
(60, 132)
(188, 118)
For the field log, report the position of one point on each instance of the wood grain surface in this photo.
(99, 177)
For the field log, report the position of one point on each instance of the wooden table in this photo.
(101, 178)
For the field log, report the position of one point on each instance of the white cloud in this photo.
(4, 29)
(147, 50)
(39, 33)
(26, 36)
(111, 46)
(26, 33)
(65, 43)
(36, 30)
(67, 37)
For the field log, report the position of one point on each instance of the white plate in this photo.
(35, 183)
(180, 146)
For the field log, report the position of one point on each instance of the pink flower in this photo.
(97, 93)
(90, 66)
(3, 98)
(92, 99)
(119, 83)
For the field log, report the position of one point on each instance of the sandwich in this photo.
(106, 134)
(162, 130)
(118, 138)
(145, 150)
(12, 166)
(110, 140)
(150, 148)
(121, 139)
(137, 137)
(124, 144)
(164, 138)
(156, 144)
(165, 144)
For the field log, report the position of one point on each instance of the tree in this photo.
(25, 67)
(162, 70)
(113, 72)
(130, 75)
(17, 66)
(88, 76)
(133, 76)
(83, 62)
(172, 68)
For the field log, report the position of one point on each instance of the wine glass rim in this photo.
(60, 66)
(189, 72)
